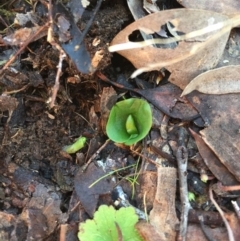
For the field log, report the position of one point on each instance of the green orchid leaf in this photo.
(109, 224)
(76, 146)
(129, 121)
(130, 126)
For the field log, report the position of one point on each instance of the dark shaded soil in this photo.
(33, 139)
(39, 182)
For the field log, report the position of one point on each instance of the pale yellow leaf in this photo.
(217, 81)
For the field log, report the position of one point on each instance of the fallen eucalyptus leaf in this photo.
(129, 121)
(205, 35)
(229, 7)
(219, 81)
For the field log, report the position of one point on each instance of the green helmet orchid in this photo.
(129, 121)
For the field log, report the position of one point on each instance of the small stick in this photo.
(182, 158)
(16, 91)
(236, 208)
(229, 230)
(55, 89)
(229, 188)
(164, 127)
(147, 158)
(62, 55)
(24, 46)
(94, 155)
(63, 232)
(223, 26)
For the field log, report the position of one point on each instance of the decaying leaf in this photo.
(108, 99)
(165, 98)
(229, 7)
(194, 230)
(8, 103)
(148, 232)
(222, 117)
(23, 35)
(217, 81)
(234, 223)
(198, 55)
(163, 215)
(75, 48)
(89, 196)
(77, 8)
(63, 27)
(227, 150)
(213, 163)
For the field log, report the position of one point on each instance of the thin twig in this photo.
(94, 155)
(224, 26)
(55, 88)
(16, 91)
(182, 159)
(10, 61)
(229, 188)
(147, 158)
(164, 127)
(196, 48)
(236, 208)
(229, 230)
(63, 232)
(62, 55)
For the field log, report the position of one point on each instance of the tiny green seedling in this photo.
(109, 224)
(129, 121)
(76, 146)
(109, 174)
(133, 180)
(191, 196)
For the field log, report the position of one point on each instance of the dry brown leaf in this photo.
(148, 232)
(189, 58)
(163, 215)
(218, 81)
(229, 7)
(225, 145)
(195, 233)
(89, 196)
(234, 223)
(222, 117)
(22, 35)
(213, 163)
(147, 187)
(108, 99)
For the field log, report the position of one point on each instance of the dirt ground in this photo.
(39, 182)
(31, 154)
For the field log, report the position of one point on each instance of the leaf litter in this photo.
(214, 119)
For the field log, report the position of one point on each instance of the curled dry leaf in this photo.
(213, 163)
(163, 215)
(189, 58)
(218, 81)
(229, 7)
(23, 35)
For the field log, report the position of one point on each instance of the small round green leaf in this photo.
(129, 121)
